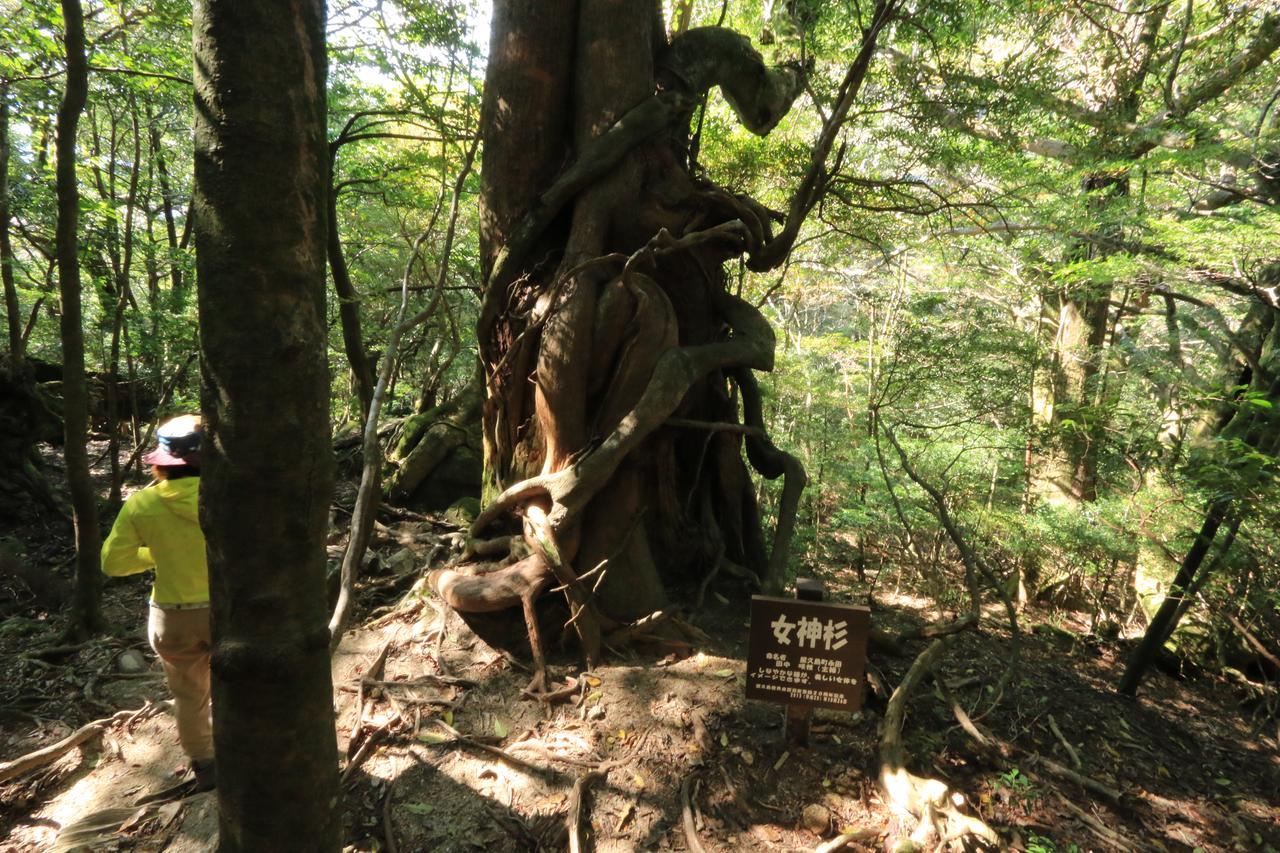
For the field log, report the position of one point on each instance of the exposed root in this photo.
(490, 549)
(491, 591)
(686, 815)
(518, 584)
(577, 804)
(559, 694)
(772, 463)
(582, 612)
(926, 802)
(49, 754)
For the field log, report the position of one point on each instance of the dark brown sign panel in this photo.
(807, 652)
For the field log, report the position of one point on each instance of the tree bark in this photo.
(1162, 623)
(348, 300)
(85, 608)
(615, 358)
(12, 310)
(261, 168)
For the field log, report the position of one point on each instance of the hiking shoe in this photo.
(205, 773)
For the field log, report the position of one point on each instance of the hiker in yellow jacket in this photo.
(159, 528)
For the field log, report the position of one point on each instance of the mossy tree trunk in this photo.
(261, 169)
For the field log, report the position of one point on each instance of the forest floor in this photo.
(665, 752)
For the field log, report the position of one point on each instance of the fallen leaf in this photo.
(724, 673)
(639, 780)
(447, 716)
(432, 737)
(500, 728)
(418, 808)
(592, 681)
(724, 739)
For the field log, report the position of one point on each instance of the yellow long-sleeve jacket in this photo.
(159, 528)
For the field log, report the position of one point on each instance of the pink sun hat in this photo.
(177, 442)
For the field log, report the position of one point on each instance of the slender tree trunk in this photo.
(12, 309)
(1257, 428)
(261, 171)
(348, 303)
(122, 263)
(85, 614)
(1161, 625)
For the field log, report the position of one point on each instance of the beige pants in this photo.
(181, 639)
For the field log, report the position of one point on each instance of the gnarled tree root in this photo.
(929, 803)
(519, 584)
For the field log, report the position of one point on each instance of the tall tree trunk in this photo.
(261, 171)
(85, 614)
(11, 307)
(122, 267)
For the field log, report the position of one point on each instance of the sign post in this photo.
(806, 653)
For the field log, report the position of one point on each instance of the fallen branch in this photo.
(1007, 750)
(1098, 828)
(1066, 744)
(1253, 641)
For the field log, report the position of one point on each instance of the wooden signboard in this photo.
(807, 653)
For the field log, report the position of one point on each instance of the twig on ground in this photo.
(1066, 744)
(1110, 836)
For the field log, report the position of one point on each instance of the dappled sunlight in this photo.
(125, 767)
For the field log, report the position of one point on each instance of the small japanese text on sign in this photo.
(807, 653)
